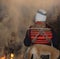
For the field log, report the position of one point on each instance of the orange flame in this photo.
(3, 57)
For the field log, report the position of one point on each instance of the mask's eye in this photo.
(45, 57)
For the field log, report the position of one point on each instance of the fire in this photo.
(12, 55)
(3, 57)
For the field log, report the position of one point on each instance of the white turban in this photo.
(41, 16)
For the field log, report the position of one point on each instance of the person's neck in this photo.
(41, 24)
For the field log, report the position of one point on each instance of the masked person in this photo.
(40, 32)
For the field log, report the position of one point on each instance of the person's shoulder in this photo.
(32, 26)
(52, 29)
(48, 26)
(29, 28)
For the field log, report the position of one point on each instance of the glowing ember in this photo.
(12, 55)
(3, 57)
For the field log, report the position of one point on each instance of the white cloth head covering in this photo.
(41, 15)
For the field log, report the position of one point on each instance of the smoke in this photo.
(17, 15)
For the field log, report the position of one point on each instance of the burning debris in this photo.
(3, 57)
